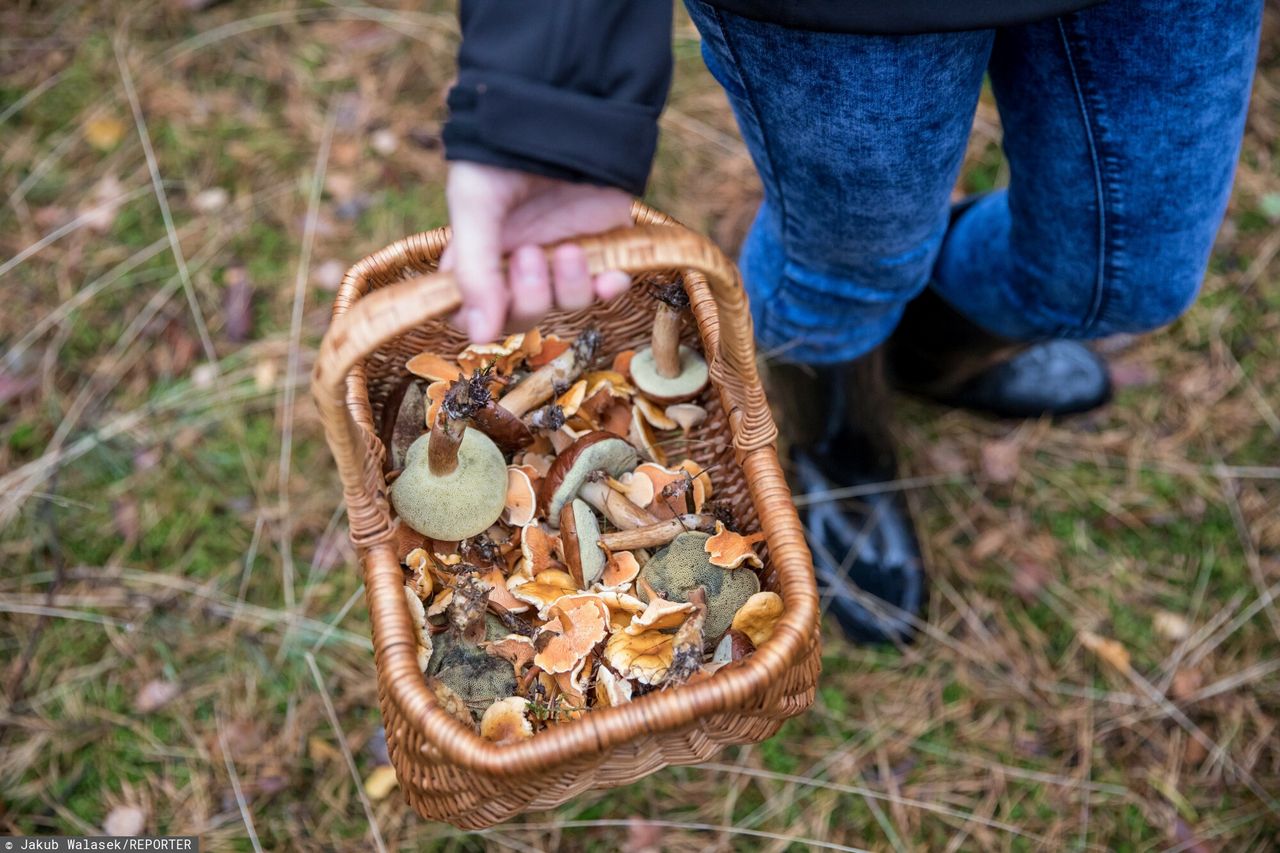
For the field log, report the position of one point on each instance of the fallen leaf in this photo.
(1030, 577)
(125, 820)
(211, 200)
(1171, 626)
(237, 303)
(98, 213)
(1132, 374)
(1000, 461)
(104, 132)
(1110, 651)
(154, 695)
(384, 141)
(381, 782)
(1186, 683)
(988, 543)
(319, 750)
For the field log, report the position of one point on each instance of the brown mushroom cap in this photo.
(579, 535)
(594, 451)
(686, 385)
(683, 566)
(506, 721)
(459, 504)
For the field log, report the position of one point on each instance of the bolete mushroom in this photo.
(579, 537)
(594, 451)
(454, 483)
(683, 566)
(668, 372)
(469, 670)
(758, 616)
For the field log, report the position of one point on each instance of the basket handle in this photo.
(388, 312)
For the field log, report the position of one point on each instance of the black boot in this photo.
(870, 573)
(938, 353)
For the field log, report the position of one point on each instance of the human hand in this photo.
(495, 211)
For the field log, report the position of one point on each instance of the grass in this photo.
(146, 532)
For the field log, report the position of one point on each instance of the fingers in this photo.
(610, 284)
(530, 287)
(476, 256)
(573, 285)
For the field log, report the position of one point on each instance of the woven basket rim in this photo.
(731, 689)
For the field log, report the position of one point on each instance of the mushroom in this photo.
(571, 635)
(729, 550)
(409, 425)
(418, 614)
(611, 690)
(544, 590)
(515, 649)
(620, 570)
(686, 649)
(642, 657)
(454, 483)
(758, 616)
(613, 504)
(450, 701)
(684, 566)
(505, 721)
(656, 535)
(640, 434)
(579, 535)
(654, 414)
(594, 451)
(686, 415)
(660, 614)
(521, 500)
(539, 386)
(433, 367)
(668, 372)
(471, 672)
(734, 646)
(419, 564)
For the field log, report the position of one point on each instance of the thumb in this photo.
(476, 256)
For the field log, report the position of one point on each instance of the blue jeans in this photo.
(1122, 125)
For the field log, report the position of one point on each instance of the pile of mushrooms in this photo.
(559, 554)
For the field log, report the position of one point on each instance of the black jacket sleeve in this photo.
(564, 88)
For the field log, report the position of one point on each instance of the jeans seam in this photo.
(1087, 119)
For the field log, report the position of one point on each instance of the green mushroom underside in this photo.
(460, 504)
(683, 565)
(477, 676)
(691, 379)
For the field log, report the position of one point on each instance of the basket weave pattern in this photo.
(392, 306)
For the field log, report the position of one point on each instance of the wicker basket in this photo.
(389, 308)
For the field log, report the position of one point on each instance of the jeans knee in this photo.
(1149, 296)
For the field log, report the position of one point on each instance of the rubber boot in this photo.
(835, 423)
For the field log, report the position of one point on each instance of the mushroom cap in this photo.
(758, 616)
(505, 721)
(686, 385)
(594, 451)
(457, 505)
(579, 535)
(477, 676)
(684, 566)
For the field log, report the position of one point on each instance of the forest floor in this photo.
(179, 603)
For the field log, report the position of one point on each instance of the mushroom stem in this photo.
(505, 428)
(666, 340)
(442, 447)
(613, 505)
(656, 535)
(540, 386)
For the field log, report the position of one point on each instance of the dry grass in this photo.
(1100, 664)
